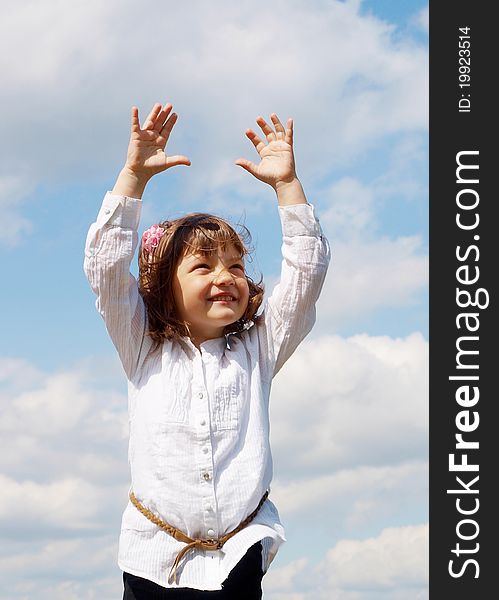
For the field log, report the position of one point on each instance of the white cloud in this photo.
(397, 558)
(350, 433)
(369, 271)
(70, 504)
(281, 583)
(67, 569)
(52, 56)
(422, 19)
(366, 275)
(57, 407)
(348, 429)
(403, 180)
(64, 482)
(60, 428)
(351, 210)
(343, 76)
(16, 374)
(393, 565)
(360, 495)
(13, 192)
(360, 400)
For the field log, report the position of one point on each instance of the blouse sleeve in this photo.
(289, 313)
(109, 249)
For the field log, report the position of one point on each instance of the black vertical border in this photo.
(452, 131)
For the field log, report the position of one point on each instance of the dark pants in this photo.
(243, 583)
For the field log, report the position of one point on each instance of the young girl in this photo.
(200, 363)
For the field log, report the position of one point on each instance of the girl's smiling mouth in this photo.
(225, 298)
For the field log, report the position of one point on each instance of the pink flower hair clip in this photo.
(150, 239)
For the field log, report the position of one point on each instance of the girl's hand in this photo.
(277, 164)
(146, 150)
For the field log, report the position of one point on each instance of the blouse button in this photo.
(202, 422)
(200, 394)
(211, 533)
(205, 450)
(206, 476)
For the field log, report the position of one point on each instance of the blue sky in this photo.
(353, 75)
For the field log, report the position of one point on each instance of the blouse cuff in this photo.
(119, 211)
(299, 219)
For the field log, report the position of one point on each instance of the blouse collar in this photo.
(216, 346)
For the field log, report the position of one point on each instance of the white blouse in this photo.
(199, 447)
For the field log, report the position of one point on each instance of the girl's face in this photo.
(210, 292)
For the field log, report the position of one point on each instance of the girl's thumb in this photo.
(247, 165)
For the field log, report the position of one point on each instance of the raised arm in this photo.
(112, 239)
(289, 312)
(277, 162)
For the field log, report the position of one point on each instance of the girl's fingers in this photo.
(135, 119)
(255, 140)
(168, 126)
(289, 132)
(162, 116)
(267, 130)
(278, 126)
(151, 119)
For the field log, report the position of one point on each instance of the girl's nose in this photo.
(224, 276)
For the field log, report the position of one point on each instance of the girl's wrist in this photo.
(130, 183)
(290, 192)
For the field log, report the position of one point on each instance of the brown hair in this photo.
(194, 232)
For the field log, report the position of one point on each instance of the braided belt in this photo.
(192, 544)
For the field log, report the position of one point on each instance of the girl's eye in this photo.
(238, 266)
